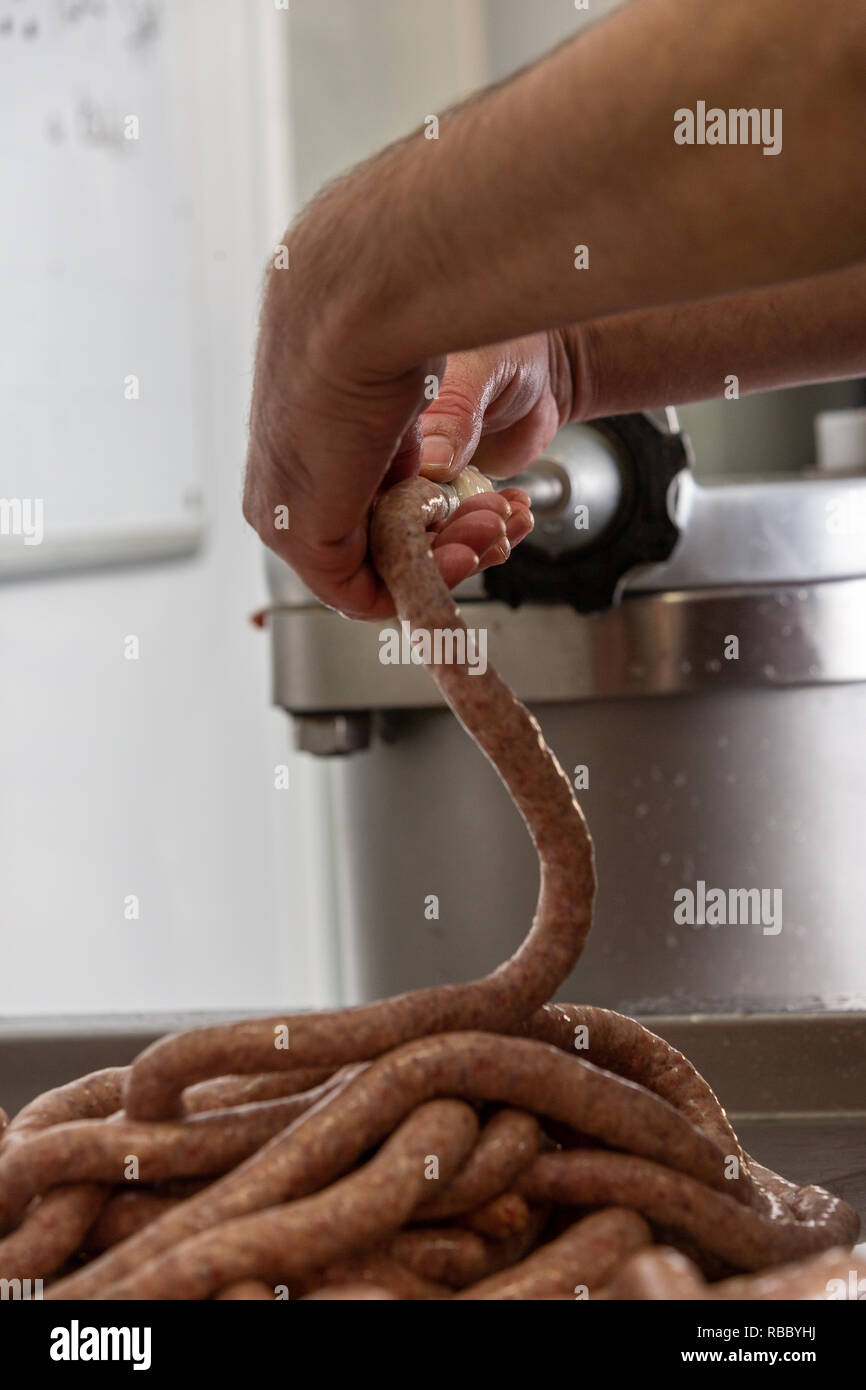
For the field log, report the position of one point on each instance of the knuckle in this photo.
(461, 404)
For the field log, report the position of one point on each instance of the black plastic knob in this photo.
(643, 529)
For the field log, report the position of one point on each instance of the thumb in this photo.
(451, 425)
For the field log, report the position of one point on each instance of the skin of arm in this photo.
(800, 332)
(501, 406)
(437, 248)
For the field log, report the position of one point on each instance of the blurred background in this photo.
(161, 846)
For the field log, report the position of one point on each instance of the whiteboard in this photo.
(101, 351)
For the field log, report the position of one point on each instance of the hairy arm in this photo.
(800, 332)
(437, 246)
(475, 231)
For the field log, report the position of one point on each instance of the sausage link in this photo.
(711, 1266)
(91, 1097)
(444, 1254)
(513, 742)
(351, 1214)
(246, 1290)
(746, 1238)
(51, 1231)
(181, 1187)
(123, 1214)
(354, 1293)
(622, 1045)
(785, 1199)
(508, 1142)
(454, 1256)
(657, 1274)
(586, 1254)
(422, 1263)
(243, 1090)
(377, 1270)
(504, 1216)
(475, 1066)
(86, 1149)
(833, 1275)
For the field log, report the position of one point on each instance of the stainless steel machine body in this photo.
(713, 717)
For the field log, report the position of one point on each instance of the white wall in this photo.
(155, 777)
(367, 71)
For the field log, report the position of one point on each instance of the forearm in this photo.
(470, 238)
(448, 244)
(807, 330)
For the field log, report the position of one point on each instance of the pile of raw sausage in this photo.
(468, 1141)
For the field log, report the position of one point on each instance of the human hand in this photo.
(328, 435)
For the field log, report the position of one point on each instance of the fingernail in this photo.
(437, 455)
(524, 523)
(497, 554)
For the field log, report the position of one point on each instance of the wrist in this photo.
(576, 348)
